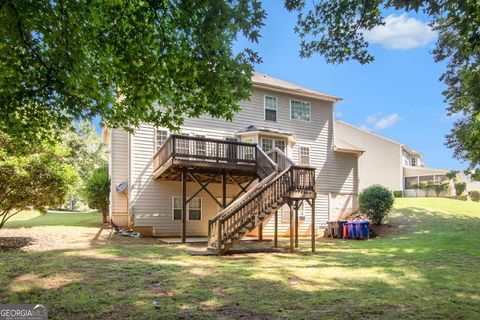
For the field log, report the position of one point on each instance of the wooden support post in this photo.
(224, 191)
(275, 235)
(184, 206)
(292, 231)
(260, 231)
(312, 204)
(296, 224)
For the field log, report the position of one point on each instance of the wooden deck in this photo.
(208, 158)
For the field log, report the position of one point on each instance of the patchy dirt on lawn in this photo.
(60, 237)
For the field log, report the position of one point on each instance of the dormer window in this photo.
(413, 162)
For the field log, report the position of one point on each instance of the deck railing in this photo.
(205, 150)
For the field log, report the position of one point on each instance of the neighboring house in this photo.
(387, 162)
(471, 184)
(215, 161)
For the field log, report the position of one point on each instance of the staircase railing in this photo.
(260, 199)
(266, 169)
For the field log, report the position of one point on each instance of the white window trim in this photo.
(309, 107)
(300, 155)
(265, 108)
(188, 209)
(155, 137)
(274, 143)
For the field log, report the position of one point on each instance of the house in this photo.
(276, 161)
(388, 162)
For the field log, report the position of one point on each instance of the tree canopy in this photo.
(335, 29)
(71, 60)
(74, 59)
(36, 180)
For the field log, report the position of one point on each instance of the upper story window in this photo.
(270, 104)
(299, 110)
(304, 155)
(160, 136)
(413, 162)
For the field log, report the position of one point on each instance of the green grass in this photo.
(29, 219)
(427, 268)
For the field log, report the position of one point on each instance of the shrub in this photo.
(97, 191)
(415, 186)
(398, 193)
(475, 195)
(426, 186)
(460, 188)
(439, 187)
(376, 201)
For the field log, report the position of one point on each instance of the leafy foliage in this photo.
(415, 186)
(335, 29)
(376, 202)
(72, 60)
(85, 150)
(84, 153)
(452, 175)
(37, 181)
(439, 187)
(460, 187)
(97, 191)
(474, 195)
(398, 193)
(426, 186)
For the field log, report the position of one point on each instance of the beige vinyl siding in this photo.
(382, 161)
(151, 201)
(119, 174)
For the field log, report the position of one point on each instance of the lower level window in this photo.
(194, 209)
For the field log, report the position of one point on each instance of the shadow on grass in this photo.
(429, 270)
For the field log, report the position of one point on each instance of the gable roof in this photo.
(343, 146)
(403, 146)
(261, 80)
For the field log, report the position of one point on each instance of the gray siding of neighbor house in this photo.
(151, 201)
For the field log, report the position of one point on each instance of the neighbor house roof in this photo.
(261, 80)
(403, 146)
(343, 146)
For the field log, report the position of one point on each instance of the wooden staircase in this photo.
(280, 180)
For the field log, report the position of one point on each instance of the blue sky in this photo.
(397, 96)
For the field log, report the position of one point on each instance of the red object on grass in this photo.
(345, 231)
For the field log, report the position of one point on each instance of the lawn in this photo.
(426, 267)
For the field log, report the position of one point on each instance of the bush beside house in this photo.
(460, 187)
(474, 195)
(376, 202)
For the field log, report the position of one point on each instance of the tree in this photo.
(34, 181)
(452, 175)
(460, 187)
(416, 186)
(336, 28)
(84, 153)
(85, 150)
(426, 186)
(376, 202)
(97, 191)
(73, 60)
(438, 187)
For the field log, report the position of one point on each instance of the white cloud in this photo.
(383, 122)
(401, 33)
